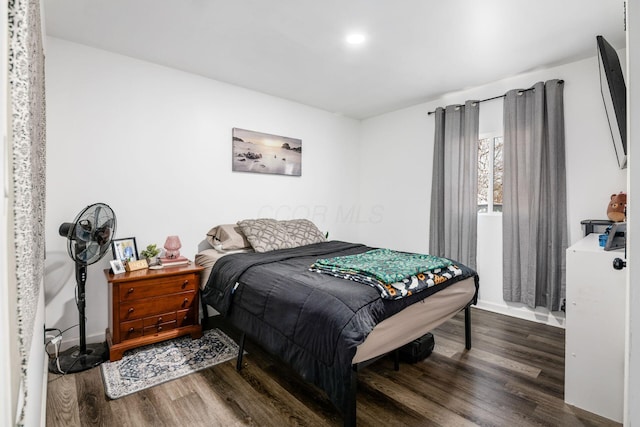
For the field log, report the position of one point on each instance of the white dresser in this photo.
(595, 329)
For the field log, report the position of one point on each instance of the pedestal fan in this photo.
(89, 237)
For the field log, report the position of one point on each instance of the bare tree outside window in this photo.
(498, 169)
(490, 170)
(483, 174)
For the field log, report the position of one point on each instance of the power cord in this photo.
(56, 343)
(49, 339)
(55, 340)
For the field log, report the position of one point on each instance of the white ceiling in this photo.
(416, 50)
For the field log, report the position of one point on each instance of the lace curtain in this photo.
(27, 154)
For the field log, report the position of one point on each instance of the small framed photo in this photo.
(117, 266)
(125, 249)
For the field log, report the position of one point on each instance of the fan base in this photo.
(72, 361)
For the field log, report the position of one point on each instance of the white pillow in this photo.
(227, 237)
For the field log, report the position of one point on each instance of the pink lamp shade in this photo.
(172, 246)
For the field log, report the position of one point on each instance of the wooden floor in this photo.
(513, 376)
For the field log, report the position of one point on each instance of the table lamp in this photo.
(172, 246)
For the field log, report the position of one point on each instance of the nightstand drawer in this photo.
(158, 319)
(151, 306)
(162, 286)
(187, 317)
(162, 327)
(132, 329)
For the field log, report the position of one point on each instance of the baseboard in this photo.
(43, 396)
(523, 312)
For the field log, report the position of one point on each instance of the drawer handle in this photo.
(160, 319)
(131, 330)
(130, 291)
(185, 302)
(159, 328)
(131, 310)
(184, 284)
(186, 318)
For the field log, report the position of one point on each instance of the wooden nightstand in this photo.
(147, 306)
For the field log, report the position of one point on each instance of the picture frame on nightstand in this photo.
(125, 249)
(117, 266)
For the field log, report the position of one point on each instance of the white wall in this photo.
(396, 164)
(632, 362)
(37, 372)
(155, 144)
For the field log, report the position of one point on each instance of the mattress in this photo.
(422, 317)
(207, 259)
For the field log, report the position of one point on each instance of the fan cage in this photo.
(89, 236)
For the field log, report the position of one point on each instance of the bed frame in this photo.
(349, 411)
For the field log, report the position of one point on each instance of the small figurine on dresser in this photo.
(617, 209)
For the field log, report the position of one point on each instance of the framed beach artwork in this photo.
(265, 153)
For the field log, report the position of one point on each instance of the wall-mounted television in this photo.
(614, 95)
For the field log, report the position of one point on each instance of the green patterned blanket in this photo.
(395, 274)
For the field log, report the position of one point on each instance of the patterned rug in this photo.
(155, 364)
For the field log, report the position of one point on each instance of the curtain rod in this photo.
(496, 97)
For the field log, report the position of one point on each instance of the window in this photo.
(490, 168)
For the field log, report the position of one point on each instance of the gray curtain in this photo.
(535, 204)
(453, 227)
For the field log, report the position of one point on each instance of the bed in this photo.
(324, 327)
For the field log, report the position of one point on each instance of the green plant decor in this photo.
(150, 251)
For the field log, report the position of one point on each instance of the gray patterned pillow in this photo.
(303, 232)
(265, 234)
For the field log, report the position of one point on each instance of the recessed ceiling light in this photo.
(355, 38)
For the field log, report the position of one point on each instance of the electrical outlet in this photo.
(48, 336)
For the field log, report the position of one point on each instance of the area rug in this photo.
(155, 364)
